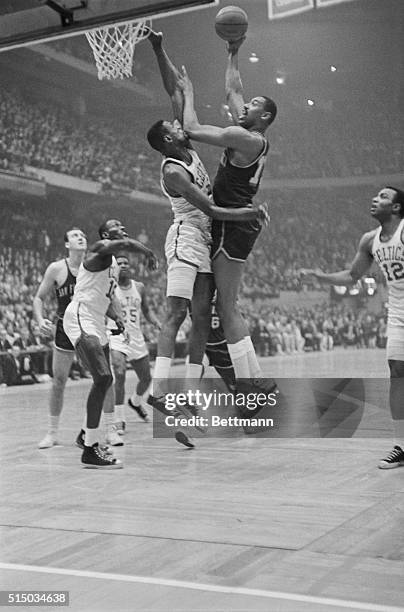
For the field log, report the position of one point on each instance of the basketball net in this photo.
(114, 46)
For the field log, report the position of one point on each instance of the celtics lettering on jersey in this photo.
(391, 260)
(131, 305)
(389, 255)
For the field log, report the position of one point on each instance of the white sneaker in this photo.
(120, 427)
(48, 441)
(113, 439)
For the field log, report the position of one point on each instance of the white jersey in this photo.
(131, 304)
(389, 255)
(132, 343)
(184, 211)
(95, 289)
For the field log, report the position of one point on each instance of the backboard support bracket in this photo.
(66, 15)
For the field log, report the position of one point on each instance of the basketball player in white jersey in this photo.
(84, 324)
(385, 246)
(131, 345)
(60, 279)
(186, 183)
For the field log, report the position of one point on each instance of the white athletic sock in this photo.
(193, 370)
(238, 356)
(109, 419)
(161, 372)
(399, 432)
(136, 399)
(253, 365)
(91, 436)
(120, 413)
(53, 423)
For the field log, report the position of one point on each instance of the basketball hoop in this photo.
(114, 46)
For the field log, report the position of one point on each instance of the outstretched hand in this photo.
(46, 328)
(308, 272)
(263, 214)
(234, 45)
(184, 82)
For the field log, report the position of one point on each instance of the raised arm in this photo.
(360, 265)
(233, 137)
(178, 181)
(44, 289)
(169, 74)
(103, 249)
(233, 85)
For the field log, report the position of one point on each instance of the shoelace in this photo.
(103, 456)
(395, 453)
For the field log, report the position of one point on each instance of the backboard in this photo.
(24, 22)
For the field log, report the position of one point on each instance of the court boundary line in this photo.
(181, 584)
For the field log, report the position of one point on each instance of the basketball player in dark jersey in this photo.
(59, 279)
(217, 352)
(236, 183)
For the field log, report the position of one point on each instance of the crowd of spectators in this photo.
(280, 331)
(316, 229)
(105, 150)
(43, 136)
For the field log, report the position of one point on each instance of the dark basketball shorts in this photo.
(235, 239)
(62, 342)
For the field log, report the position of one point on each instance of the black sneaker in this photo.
(142, 413)
(245, 386)
(95, 459)
(159, 404)
(182, 438)
(394, 459)
(80, 443)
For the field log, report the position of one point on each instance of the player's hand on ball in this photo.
(46, 328)
(263, 214)
(234, 45)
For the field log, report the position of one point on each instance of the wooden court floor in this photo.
(237, 524)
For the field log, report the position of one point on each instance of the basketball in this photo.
(231, 23)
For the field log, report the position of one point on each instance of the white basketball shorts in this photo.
(187, 251)
(395, 342)
(79, 319)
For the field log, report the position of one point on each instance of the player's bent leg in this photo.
(204, 288)
(118, 361)
(228, 275)
(96, 359)
(61, 364)
(177, 308)
(142, 369)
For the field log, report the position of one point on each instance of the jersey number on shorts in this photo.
(395, 271)
(215, 323)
